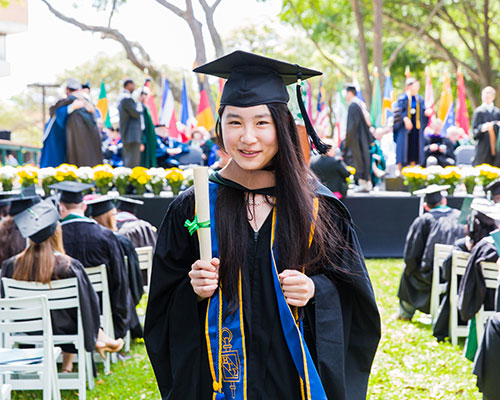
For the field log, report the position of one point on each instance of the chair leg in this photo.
(90, 370)
(127, 342)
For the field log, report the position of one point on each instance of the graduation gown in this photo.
(442, 158)
(93, 245)
(341, 324)
(472, 292)
(65, 322)
(440, 225)
(357, 142)
(54, 136)
(14, 243)
(141, 233)
(332, 172)
(483, 148)
(148, 156)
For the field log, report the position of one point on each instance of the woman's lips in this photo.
(249, 153)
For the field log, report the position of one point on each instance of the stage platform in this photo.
(381, 219)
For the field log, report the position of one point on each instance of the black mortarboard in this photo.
(20, 203)
(127, 204)
(100, 205)
(433, 193)
(494, 187)
(71, 192)
(254, 80)
(38, 222)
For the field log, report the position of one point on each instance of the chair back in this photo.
(465, 155)
(491, 276)
(441, 252)
(145, 255)
(459, 262)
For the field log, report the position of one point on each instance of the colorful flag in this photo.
(102, 105)
(462, 114)
(407, 72)
(359, 93)
(449, 119)
(219, 95)
(340, 115)
(446, 99)
(167, 112)
(429, 93)
(150, 102)
(204, 114)
(388, 99)
(321, 122)
(376, 107)
(187, 116)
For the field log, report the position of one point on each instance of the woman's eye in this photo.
(234, 123)
(263, 123)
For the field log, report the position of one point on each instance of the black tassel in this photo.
(319, 145)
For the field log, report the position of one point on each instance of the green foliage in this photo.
(24, 123)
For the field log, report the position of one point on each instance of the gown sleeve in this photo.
(415, 245)
(134, 270)
(173, 328)
(343, 322)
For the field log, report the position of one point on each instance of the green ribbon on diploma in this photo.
(194, 225)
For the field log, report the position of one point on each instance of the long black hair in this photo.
(294, 194)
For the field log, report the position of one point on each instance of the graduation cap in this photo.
(410, 81)
(432, 193)
(71, 192)
(486, 207)
(128, 205)
(494, 187)
(350, 86)
(38, 222)
(20, 203)
(253, 80)
(73, 84)
(100, 205)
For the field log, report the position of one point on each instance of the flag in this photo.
(462, 114)
(359, 93)
(150, 102)
(167, 112)
(388, 99)
(449, 119)
(204, 114)
(429, 93)
(340, 115)
(407, 72)
(219, 95)
(102, 105)
(321, 121)
(446, 99)
(376, 107)
(187, 116)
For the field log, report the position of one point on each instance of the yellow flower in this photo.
(352, 170)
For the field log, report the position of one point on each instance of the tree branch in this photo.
(113, 8)
(209, 17)
(176, 10)
(417, 34)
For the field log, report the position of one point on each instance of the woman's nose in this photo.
(248, 136)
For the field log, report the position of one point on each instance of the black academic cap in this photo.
(100, 205)
(20, 203)
(433, 193)
(494, 187)
(71, 192)
(38, 222)
(253, 79)
(127, 204)
(29, 190)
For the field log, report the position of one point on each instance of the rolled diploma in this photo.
(202, 201)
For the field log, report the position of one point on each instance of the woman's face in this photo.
(249, 136)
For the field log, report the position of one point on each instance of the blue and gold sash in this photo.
(226, 336)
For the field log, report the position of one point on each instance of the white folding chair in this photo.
(99, 278)
(441, 252)
(62, 294)
(28, 368)
(458, 267)
(145, 262)
(490, 274)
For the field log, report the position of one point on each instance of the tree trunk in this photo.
(363, 53)
(377, 39)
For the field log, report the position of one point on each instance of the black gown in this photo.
(141, 233)
(341, 325)
(472, 292)
(436, 226)
(64, 322)
(93, 245)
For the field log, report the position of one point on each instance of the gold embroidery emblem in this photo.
(230, 361)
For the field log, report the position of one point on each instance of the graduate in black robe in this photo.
(486, 115)
(438, 225)
(341, 322)
(93, 245)
(141, 233)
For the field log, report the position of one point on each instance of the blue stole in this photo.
(226, 336)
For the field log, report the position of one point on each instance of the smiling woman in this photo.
(285, 309)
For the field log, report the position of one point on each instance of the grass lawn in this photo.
(410, 363)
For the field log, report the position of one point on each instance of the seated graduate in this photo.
(44, 260)
(472, 292)
(102, 209)
(93, 245)
(141, 233)
(168, 149)
(11, 241)
(263, 203)
(438, 225)
(479, 224)
(494, 191)
(438, 149)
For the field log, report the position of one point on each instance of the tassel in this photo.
(320, 146)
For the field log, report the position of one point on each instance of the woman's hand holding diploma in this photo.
(205, 277)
